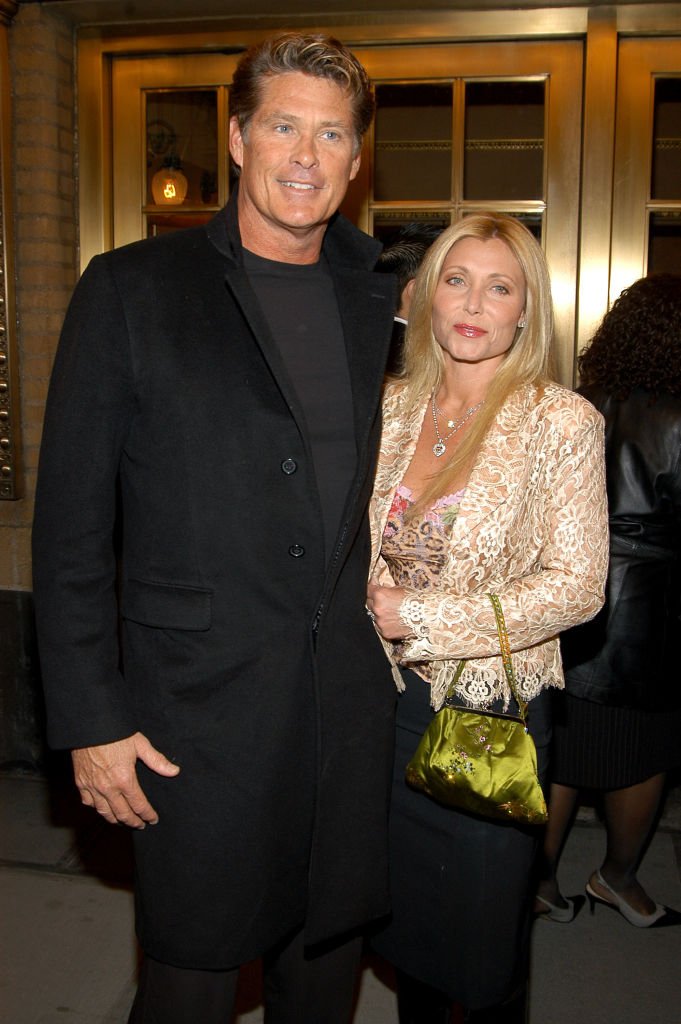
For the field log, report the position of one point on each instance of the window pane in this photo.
(413, 159)
(504, 140)
(389, 225)
(182, 164)
(666, 183)
(534, 222)
(664, 243)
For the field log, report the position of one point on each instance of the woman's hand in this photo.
(383, 604)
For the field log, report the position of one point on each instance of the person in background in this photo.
(220, 387)
(490, 480)
(403, 257)
(618, 723)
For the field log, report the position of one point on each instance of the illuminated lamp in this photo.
(169, 185)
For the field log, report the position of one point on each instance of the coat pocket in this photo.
(166, 605)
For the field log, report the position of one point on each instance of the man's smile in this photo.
(302, 186)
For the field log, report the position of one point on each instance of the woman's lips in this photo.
(468, 331)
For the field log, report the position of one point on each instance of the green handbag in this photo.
(481, 762)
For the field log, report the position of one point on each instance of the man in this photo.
(403, 257)
(220, 388)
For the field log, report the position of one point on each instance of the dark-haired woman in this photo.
(617, 726)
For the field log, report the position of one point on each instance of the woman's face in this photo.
(479, 301)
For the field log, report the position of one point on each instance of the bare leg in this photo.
(629, 817)
(562, 803)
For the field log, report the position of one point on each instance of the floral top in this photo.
(415, 550)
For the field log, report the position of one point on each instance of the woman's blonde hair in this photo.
(528, 361)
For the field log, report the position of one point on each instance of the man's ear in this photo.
(405, 298)
(236, 141)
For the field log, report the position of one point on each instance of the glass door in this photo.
(440, 148)
(473, 127)
(646, 235)
(170, 153)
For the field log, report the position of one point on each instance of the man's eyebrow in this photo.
(283, 115)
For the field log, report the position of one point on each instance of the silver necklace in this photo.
(440, 446)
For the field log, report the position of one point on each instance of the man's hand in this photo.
(107, 780)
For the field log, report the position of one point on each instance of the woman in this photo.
(490, 479)
(618, 726)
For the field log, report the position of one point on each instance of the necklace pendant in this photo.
(439, 449)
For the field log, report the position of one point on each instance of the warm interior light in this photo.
(169, 185)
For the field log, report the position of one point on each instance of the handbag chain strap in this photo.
(505, 658)
(506, 654)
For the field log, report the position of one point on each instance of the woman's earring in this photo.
(522, 323)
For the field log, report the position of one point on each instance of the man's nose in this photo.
(305, 151)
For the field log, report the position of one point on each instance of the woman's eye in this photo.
(455, 280)
(500, 289)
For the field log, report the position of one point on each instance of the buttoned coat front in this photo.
(245, 655)
(531, 527)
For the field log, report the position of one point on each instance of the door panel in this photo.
(169, 114)
(646, 233)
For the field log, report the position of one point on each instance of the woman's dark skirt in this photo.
(461, 885)
(596, 746)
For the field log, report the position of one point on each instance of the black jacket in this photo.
(244, 657)
(629, 655)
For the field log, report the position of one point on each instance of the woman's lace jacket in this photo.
(531, 528)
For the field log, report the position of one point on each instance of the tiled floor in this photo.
(68, 955)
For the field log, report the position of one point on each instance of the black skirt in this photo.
(596, 746)
(461, 885)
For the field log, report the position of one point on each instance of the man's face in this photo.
(297, 156)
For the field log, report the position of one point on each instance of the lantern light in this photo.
(169, 184)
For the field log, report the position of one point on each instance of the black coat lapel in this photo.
(223, 231)
(366, 303)
(367, 326)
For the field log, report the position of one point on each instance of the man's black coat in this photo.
(243, 656)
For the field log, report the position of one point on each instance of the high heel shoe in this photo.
(661, 917)
(562, 915)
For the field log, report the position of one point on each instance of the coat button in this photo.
(289, 466)
(296, 551)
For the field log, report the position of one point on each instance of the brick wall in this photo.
(41, 58)
(41, 52)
